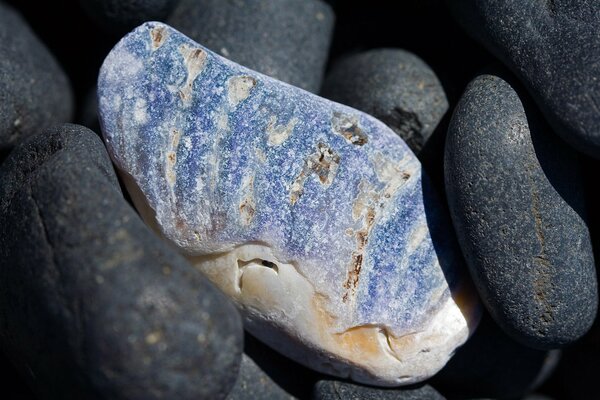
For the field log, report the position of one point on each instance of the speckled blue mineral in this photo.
(314, 217)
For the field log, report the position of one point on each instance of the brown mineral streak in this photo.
(193, 59)
(541, 280)
(366, 205)
(158, 37)
(247, 206)
(171, 158)
(347, 126)
(323, 163)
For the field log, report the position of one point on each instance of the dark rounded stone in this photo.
(34, 91)
(337, 390)
(492, 365)
(552, 46)
(120, 16)
(285, 39)
(516, 197)
(253, 383)
(394, 86)
(92, 304)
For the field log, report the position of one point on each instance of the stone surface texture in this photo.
(553, 46)
(313, 216)
(285, 39)
(516, 197)
(335, 390)
(394, 86)
(34, 91)
(92, 304)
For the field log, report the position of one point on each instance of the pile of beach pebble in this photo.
(499, 100)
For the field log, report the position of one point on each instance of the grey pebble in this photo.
(92, 304)
(34, 90)
(337, 390)
(553, 46)
(285, 39)
(120, 16)
(516, 197)
(394, 86)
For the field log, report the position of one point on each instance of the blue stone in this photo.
(314, 217)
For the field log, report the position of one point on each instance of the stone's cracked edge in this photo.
(254, 277)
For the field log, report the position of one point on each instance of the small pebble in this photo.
(285, 39)
(394, 86)
(92, 304)
(336, 390)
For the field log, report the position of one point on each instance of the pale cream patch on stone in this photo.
(239, 88)
(278, 134)
(417, 236)
(262, 157)
(139, 111)
(222, 124)
(194, 60)
(158, 35)
(275, 292)
(247, 206)
(153, 337)
(171, 158)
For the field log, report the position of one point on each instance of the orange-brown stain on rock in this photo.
(347, 126)
(158, 37)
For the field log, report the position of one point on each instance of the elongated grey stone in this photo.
(313, 216)
(516, 196)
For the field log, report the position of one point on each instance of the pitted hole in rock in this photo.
(242, 265)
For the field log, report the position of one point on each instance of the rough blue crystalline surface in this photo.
(313, 216)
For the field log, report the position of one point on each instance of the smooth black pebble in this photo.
(516, 198)
(92, 304)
